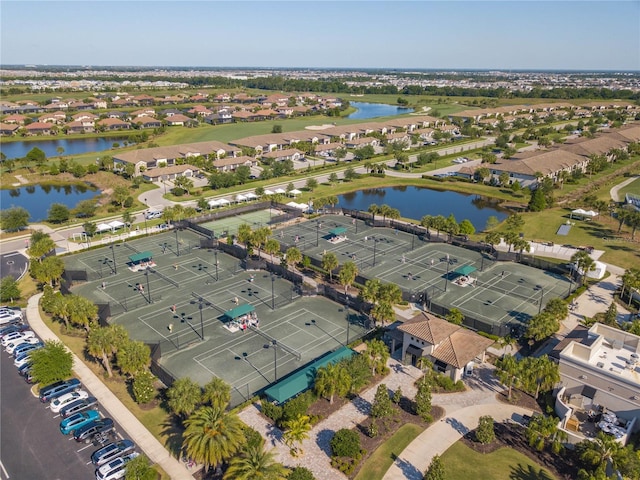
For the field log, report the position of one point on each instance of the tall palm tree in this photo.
(332, 379)
(256, 463)
(184, 396)
(296, 430)
(217, 391)
(294, 256)
(584, 264)
(601, 451)
(104, 342)
(373, 210)
(347, 275)
(212, 436)
(271, 247)
(630, 282)
(377, 354)
(508, 372)
(330, 263)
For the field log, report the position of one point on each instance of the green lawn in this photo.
(633, 188)
(379, 462)
(462, 463)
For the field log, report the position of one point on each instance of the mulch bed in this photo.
(563, 466)
(519, 398)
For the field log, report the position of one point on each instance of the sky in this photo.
(517, 34)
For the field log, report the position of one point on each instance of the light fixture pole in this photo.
(346, 307)
(446, 278)
(177, 243)
(375, 242)
(273, 281)
(317, 233)
(215, 252)
(540, 301)
(146, 274)
(275, 359)
(113, 256)
(201, 322)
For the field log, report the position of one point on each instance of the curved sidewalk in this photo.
(435, 440)
(132, 426)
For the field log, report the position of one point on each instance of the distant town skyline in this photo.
(500, 35)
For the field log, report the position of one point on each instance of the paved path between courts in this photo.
(131, 425)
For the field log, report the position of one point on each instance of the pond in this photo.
(72, 146)
(416, 202)
(37, 199)
(373, 110)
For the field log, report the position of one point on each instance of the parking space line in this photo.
(4, 470)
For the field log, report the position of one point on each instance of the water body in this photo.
(416, 202)
(373, 110)
(37, 199)
(72, 146)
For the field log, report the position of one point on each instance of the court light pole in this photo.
(215, 252)
(113, 256)
(346, 307)
(177, 243)
(541, 298)
(446, 278)
(317, 233)
(146, 274)
(273, 281)
(273, 345)
(375, 242)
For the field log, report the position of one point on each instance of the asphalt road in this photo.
(32, 445)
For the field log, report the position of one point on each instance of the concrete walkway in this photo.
(415, 459)
(614, 190)
(131, 425)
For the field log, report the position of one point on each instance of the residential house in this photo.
(113, 124)
(281, 155)
(15, 118)
(53, 117)
(451, 348)
(599, 372)
(180, 120)
(84, 117)
(362, 142)
(8, 129)
(147, 122)
(39, 128)
(170, 172)
(80, 126)
(227, 164)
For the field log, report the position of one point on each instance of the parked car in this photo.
(57, 389)
(23, 368)
(15, 335)
(31, 344)
(14, 327)
(20, 341)
(79, 406)
(153, 214)
(115, 469)
(86, 433)
(10, 317)
(112, 451)
(23, 359)
(62, 401)
(71, 424)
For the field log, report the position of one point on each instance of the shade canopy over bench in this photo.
(140, 257)
(338, 231)
(239, 311)
(465, 270)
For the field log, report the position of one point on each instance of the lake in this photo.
(72, 146)
(37, 199)
(416, 202)
(373, 110)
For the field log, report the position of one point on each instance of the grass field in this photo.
(379, 462)
(462, 463)
(633, 188)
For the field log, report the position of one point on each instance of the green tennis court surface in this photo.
(229, 225)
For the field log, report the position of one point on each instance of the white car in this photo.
(7, 339)
(18, 362)
(64, 400)
(9, 317)
(20, 341)
(116, 468)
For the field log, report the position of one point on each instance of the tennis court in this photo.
(180, 301)
(502, 293)
(229, 225)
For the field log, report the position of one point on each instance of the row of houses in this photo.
(528, 168)
(276, 147)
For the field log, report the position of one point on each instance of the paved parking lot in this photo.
(32, 445)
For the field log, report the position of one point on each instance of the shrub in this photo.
(143, 389)
(345, 443)
(485, 432)
(274, 412)
(178, 191)
(297, 406)
(128, 202)
(301, 473)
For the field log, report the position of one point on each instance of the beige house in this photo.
(451, 348)
(170, 173)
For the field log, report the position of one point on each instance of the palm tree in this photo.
(373, 210)
(427, 222)
(347, 275)
(493, 238)
(184, 396)
(104, 342)
(541, 373)
(630, 282)
(293, 256)
(508, 371)
(217, 391)
(297, 430)
(601, 451)
(272, 246)
(377, 354)
(133, 357)
(383, 312)
(369, 292)
(584, 264)
(332, 379)
(212, 436)
(330, 263)
(256, 463)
